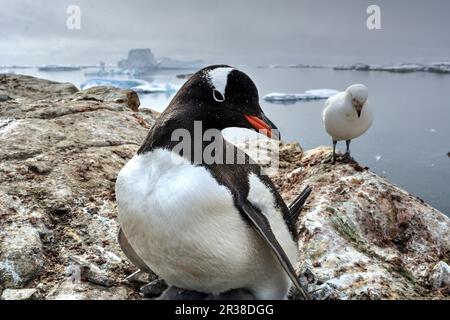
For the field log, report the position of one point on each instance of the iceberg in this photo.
(401, 68)
(438, 67)
(140, 86)
(139, 59)
(286, 98)
(322, 93)
(357, 66)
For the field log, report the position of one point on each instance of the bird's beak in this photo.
(263, 125)
(358, 107)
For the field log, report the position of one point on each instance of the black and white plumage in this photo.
(211, 228)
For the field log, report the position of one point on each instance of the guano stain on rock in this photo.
(360, 237)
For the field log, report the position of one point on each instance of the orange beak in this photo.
(260, 125)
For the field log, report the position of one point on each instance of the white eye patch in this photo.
(218, 79)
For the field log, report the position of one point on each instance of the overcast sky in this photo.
(232, 31)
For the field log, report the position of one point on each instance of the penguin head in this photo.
(222, 97)
(358, 94)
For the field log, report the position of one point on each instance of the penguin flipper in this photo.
(130, 253)
(297, 204)
(262, 226)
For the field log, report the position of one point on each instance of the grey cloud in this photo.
(320, 31)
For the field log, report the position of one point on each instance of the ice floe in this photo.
(285, 98)
(437, 67)
(139, 86)
(58, 68)
(104, 72)
(156, 88)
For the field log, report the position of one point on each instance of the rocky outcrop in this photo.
(361, 237)
(61, 151)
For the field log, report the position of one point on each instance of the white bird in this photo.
(347, 115)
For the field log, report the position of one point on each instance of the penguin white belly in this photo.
(185, 226)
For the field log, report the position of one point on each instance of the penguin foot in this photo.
(174, 293)
(154, 288)
(235, 294)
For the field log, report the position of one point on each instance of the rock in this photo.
(60, 155)
(361, 237)
(31, 88)
(68, 290)
(139, 59)
(81, 270)
(154, 288)
(4, 97)
(19, 294)
(440, 275)
(128, 98)
(21, 254)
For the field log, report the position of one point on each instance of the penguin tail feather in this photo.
(296, 205)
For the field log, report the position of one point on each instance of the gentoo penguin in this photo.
(347, 115)
(212, 228)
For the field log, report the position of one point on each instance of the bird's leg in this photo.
(331, 158)
(333, 161)
(347, 152)
(347, 156)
